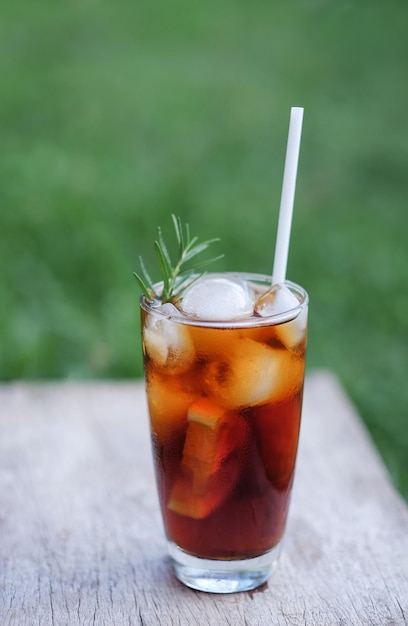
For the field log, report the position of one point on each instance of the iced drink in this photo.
(224, 369)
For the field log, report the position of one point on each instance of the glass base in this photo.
(223, 576)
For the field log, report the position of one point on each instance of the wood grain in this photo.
(81, 539)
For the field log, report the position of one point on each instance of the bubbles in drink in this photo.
(166, 342)
(216, 298)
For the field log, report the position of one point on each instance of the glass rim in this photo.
(243, 322)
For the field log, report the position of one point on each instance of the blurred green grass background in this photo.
(115, 115)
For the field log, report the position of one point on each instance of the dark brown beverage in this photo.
(225, 404)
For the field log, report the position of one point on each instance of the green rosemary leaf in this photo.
(143, 286)
(166, 270)
(187, 227)
(179, 234)
(164, 250)
(197, 249)
(185, 280)
(190, 244)
(198, 266)
(145, 272)
(175, 278)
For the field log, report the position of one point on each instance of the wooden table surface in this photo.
(81, 539)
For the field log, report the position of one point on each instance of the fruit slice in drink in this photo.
(212, 462)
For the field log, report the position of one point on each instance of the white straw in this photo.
(288, 196)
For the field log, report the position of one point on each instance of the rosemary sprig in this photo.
(175, 277)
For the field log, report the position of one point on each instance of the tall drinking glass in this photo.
(225, 402)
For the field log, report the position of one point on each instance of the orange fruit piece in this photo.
(213, 459)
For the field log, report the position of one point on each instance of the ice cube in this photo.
(278, 299)
(253, 374)
(293, 332)
(216, 298)
(167, 342)
(212, 461)
(168, 399)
